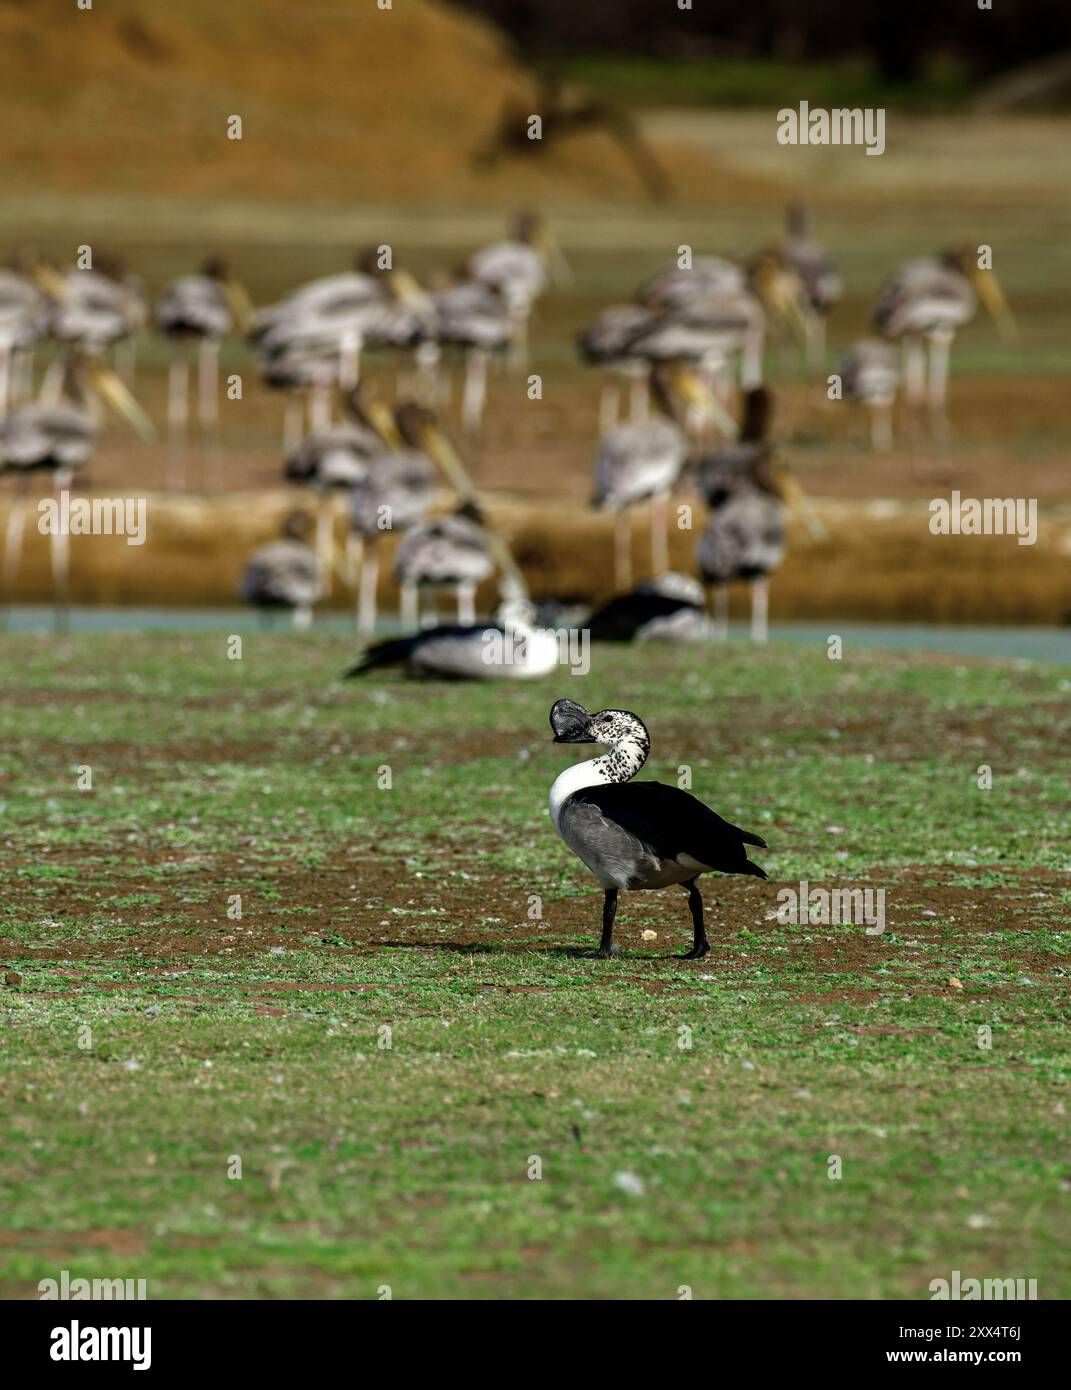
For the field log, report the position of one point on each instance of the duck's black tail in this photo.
(390, 653)
(755, 869)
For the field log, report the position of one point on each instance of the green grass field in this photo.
(150, 1040)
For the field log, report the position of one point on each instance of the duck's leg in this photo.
(606, 943)
(700, 944)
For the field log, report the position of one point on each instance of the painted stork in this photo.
(818, 275)
(24, 321)
(517, 270)
(474, 317)
(394, 495)
(285, 573)
(923, 304)
(202, 309)
(870, 374)
(58, 438)
(641, 461)
(747, 489)
(335, 459)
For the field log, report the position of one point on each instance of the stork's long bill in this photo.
(790, 489)
(992, 296)
(444, 455)
(697, 393)
(240, 304)
(108, 386)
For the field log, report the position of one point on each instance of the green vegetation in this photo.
(409, 908)
(647, 82)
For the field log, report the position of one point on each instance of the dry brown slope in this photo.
(339, 101)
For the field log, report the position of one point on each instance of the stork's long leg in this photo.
(638, 398)
(914, 372)
(293, 421)
(475, 391)
(325, 543)
(60, 546)
(760, 607)
(721, 611)
(16, 526)
(352, 554)
(426, 379)
(622, 552)
(366, 603)
(660, 534)
(6, 356)
(410, 607)
(518, 341)
(940, 345)
(700, 944)
(208, 384)
(609, 911)
(881, 435)
(466, 603)
(178, 387)
(320, 407)
(349, 361)
(751, 371)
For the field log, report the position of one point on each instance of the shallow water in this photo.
(1027, 643)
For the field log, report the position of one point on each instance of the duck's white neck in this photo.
(620, 764)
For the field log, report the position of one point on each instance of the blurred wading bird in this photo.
(58, 439)
(635, 835)
(285, 573)
(924, 304)
(204, 309)
(870, 373)
(641, 461)
(747, 489)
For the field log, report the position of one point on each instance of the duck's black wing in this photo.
(671, 822)
(621, 618)
(396, 651)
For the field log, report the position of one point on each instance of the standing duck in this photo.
(635, 835)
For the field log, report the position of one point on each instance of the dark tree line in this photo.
(898, 34)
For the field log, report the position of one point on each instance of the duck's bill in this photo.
(992, 296)
(571, 722)
(113, 392)
(800, 505)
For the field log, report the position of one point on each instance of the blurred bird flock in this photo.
(408, 382)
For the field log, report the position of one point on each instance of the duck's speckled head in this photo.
(572, 723)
